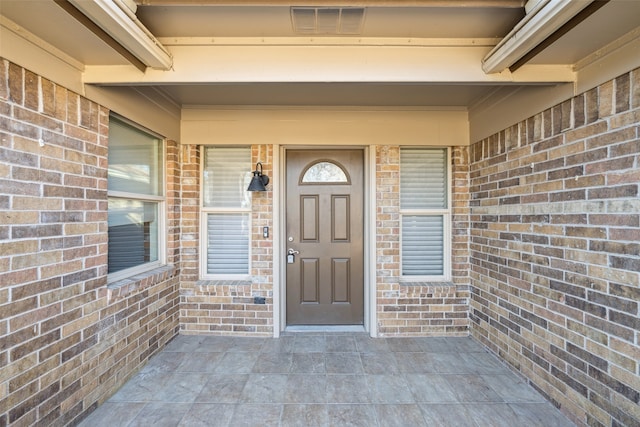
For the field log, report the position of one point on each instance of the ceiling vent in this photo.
(327, 20)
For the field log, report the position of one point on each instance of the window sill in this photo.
(436, 284)
(138, 282)
(425, 283)
(224, 283)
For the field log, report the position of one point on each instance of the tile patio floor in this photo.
(325, 379)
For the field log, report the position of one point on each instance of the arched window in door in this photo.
(325, 172)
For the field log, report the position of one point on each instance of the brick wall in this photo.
(419, 308)
(555, 232)
(67, 341)
(227, 307)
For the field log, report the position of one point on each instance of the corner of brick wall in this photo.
(555, 232)
(67, 341)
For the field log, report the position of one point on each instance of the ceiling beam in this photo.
(337, 3)
(219, 64)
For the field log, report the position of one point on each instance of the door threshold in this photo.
(325, 328)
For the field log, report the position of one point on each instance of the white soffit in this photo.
(543, 20)
(118, 20)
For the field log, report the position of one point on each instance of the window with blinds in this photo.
(136, 199)
(226, 211)
(424, 210)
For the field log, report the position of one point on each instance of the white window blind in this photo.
(423, 178)
(228, 243)
(227, 210)
(424, 210)
(422, 245)
(227, 174)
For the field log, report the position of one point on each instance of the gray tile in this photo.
(164, 362)
(492, 415)
(246, 344)
(308, 363)
(222, 389)
(472, 389)
(185, 343)
(389, 389)
(182, 388)
(160, 414)
(306, 388)
(419, 363)
(539, 415)
(366, 344)
(340, 343)
(252, 415)
(236, 363)
(452, 363)
(446, 415)
(439, 345)
(141, 387)
(466, 345)
(219, 344)
(304, 415)
(399, 415)
(351, 415)
(512, 389)
(200, 362)
(328, 379)
(310, 344)
(273, 363)
(208, 415)
(347, 389)
(210, 348)
(283, 344)
(264, 388)
(406, 344)
(430, 388)
(379, 363)
(484, 363)
(113, 414)
(343, 363)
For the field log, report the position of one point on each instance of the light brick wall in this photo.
(66, 340)
(227, 307)
(419, 308)
(555, 232)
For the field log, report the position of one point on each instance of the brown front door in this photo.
(325, 220)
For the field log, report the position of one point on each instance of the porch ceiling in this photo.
(418, 53)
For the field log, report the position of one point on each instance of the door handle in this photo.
(291, 256)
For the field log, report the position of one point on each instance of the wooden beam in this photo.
(95, 29)
(219, 64)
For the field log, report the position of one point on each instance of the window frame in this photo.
(161, 202)
(446, 223)
(204, 224)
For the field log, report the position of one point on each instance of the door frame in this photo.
(280, 242)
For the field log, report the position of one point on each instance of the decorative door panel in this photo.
(324, 275)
